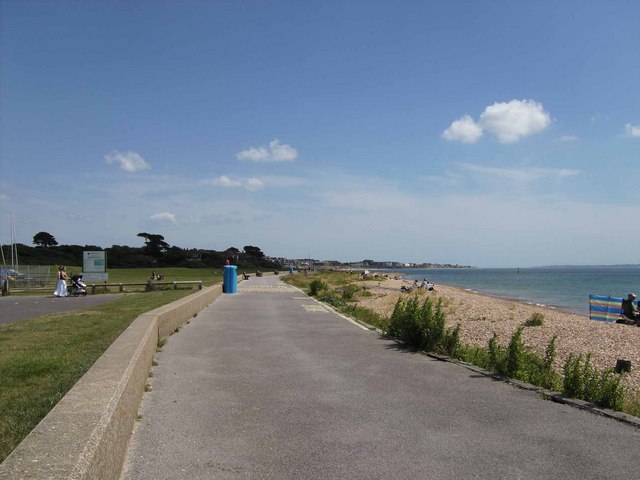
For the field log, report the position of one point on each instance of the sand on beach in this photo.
(481, 315)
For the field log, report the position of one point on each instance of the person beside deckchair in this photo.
(629, 310)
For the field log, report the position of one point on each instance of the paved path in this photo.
(14, 307)
(269, 384)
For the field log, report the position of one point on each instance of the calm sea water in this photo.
(567, 288)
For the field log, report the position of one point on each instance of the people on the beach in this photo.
(61, 286)
(629, 309)
(425, 285)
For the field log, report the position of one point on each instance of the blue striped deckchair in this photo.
(605, 308)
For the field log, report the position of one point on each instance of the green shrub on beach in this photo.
(349, 292)
(331, 298)
(520, 362)
(516, 355)
(536, 320)
(316, 286)
(587, 383)
(548, 377)
(422, 327)
(365, 315)
(496, 359)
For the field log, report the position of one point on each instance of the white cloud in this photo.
(509, 121)
(568, 138)
(164, 217)
(521, 175)
(632, 130)
(463, 130)
(514, 120)
(129, 161)
(225, 181)
(4, 197)
(283, 181)
(274, 152)
(251, 184)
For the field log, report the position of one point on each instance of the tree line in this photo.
(155, 252)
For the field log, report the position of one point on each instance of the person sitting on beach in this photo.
(629, 310)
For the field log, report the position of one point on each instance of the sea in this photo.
(565, 288)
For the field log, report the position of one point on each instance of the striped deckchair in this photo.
(605, 308)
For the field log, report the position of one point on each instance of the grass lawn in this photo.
(209, 276)
(42, 358)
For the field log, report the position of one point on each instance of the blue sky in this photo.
(483, 133)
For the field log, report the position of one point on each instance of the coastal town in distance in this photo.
(373, 264)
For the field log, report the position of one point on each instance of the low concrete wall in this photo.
(85, 436)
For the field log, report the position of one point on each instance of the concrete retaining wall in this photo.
(85, 436)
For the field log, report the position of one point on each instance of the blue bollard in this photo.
(230, 279)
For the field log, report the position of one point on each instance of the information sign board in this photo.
(94, 262)
(94, 266)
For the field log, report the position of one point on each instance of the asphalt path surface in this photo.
(269, 384)
(14, 308)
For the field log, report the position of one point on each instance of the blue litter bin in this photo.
(230, 279)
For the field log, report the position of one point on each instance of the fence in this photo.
(30, 276)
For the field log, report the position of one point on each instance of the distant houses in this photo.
(313, 264)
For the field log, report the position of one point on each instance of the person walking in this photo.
(61, 286)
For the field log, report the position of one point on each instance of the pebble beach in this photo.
(481, 315)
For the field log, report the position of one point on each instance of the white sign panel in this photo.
(94, 262)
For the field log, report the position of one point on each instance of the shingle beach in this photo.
(482, 315)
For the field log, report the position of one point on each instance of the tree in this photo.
(253, 251)
(154, 244)
(44, 239)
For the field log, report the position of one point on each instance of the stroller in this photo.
(78, 287)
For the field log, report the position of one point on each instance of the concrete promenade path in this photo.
(269, 384)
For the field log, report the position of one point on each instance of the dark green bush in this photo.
(331, 298)
(349, 291)
(476, 355)
(366, 315)
(452, 341)
(587, 383)
(316, 286)
(422, 326)
(515, 356)
(548, 377)
(536, 320)
(520, 362)
(497, 358)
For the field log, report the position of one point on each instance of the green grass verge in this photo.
(209, 276)
(42, 358)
